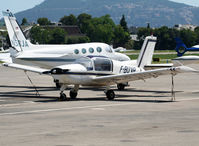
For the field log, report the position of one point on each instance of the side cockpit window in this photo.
(102, 64)
(109, 49)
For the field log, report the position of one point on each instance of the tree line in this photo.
(103, 29)
(166, 37)
(97, 29)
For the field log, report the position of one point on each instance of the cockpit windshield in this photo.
(96, 63)
(102, 64)
(109, 49)
(86, 62)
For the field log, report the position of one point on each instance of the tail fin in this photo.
(17, 38)
(181, 48)
(147, 50)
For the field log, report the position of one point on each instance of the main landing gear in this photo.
(110, 94)
(73, 93)
(121, 86)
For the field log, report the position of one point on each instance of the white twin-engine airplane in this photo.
(90, 64)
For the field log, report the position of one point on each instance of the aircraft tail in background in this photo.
(181, 48)
(16, 35)
(147, 50)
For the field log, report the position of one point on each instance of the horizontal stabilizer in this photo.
(156, 66)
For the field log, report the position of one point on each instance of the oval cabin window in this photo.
(99, 49)
(83, 51)
(76, 51)
(91, 50)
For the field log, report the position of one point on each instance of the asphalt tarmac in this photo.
(143, 114)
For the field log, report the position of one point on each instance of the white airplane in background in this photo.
(48, 56)
(87, 69)
(5, 55)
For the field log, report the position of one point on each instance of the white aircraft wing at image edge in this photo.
(25, 67)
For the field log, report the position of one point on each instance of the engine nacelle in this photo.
(63, 69)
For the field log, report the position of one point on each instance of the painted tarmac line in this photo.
(64, 109)
(17, 104)
(187, 99)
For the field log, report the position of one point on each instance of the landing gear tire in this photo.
(120, 86)
(58, 85)
(73, 95)
(110, 95)
(63, 97)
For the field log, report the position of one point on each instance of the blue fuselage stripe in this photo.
(48, 59)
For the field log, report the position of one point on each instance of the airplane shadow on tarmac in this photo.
(28, 92)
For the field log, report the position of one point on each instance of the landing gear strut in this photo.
(57, 84)
(63, 96)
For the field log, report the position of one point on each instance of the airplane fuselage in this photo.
(49, 56)
(98, 66)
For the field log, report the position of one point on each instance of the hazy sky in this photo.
(20, 5)
(17, 5)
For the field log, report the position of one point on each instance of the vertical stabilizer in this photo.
(147, 50)
(17, 38)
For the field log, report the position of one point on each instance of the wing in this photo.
(25, 68)
(115, 79)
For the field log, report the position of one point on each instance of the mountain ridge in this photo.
(137, 12)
